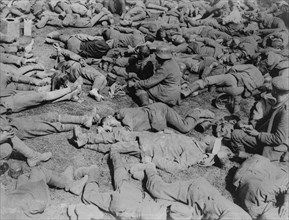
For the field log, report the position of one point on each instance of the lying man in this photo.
(44, 124)
(68, 18)
(123, 37)
(268, 130)
(155, 117)
(196, 199)
(127, 201)
(31, 195)
(84, 45)
(239, 80)
(262, 188)
(193, 199)
(170, 152)
(10, 142)
(11, 101)
(13, 81)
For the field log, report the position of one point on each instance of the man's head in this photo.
(178, 39)
(163, 53)
(110, 121)
(106, 34)
(143, 51)
(280, 88)
(149, 38)
(161, 33)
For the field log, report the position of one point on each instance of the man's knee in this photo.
(237, 135)
(236, 139)
(5, 151)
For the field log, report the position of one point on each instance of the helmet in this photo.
(178, 39)
(223, 100)
(164, 53)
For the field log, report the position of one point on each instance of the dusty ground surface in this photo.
(65, 154)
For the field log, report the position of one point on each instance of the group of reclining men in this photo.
(230, 45)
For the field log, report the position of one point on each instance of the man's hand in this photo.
(253, 133)
(82, 62)
(250, 130)
(57, 47)
(131, 83)
(7, 134)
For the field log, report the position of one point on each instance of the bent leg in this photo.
(93, 75)
(178, 122)
(176, 191)
(241, 141)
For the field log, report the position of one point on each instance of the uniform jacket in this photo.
(164, 85)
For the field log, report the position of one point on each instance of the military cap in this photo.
(164, 53)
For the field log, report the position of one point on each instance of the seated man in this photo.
(165, 85)
(268, 130)
(31, 195)
(84, 45)
(239, 80)
(262, 188)
(75, 67)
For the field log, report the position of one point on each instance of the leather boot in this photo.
(79, 138)
(53, 34)
(43, 21)
(85, 120)
(33, 157)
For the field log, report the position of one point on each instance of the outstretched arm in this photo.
(124, 30)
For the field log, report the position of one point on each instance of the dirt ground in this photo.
(65, 154)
